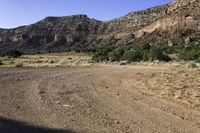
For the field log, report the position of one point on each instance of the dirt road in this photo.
(110, 99)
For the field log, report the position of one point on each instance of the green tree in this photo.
(116, 54)
(156, 53)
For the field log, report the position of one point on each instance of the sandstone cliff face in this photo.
(180, 15)
(61, 33)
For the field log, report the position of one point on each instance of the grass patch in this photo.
(11, 62)
(48, 60)
(19, 64)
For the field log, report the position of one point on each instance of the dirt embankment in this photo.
(107, 98)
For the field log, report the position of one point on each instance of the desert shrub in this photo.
(38, 61)
(77, 49)
(156, 53)
(192, 51)
(146, 53)
(178, 45)
(1, 63)
(51, 61)
(13, 53)
(145, 56)
(38, 52)
(92, 50)
(11, 62)
(192, 54)
(145, 47)
(100, 56)
(19, 64)
(193, 65)
(198, 60)
(116, 54)
(133, 55)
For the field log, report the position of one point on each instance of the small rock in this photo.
(41, 92)
(58, 102)
(193, 65)
(65, 105)
(117, 122)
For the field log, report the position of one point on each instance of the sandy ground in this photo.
(101, 99)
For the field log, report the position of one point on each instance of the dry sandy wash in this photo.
(101, 99)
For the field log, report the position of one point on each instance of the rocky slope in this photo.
(180, 18)
(52, 32)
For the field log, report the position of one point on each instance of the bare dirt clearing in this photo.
(106, 98)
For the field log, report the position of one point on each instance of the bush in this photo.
(116, 54)
(145, 56)
(133, 55)
(145, 53)
(192, 51)
(156, 53)
(51, 61)
(145, 47)
(11, 62)
(1, 63)
(192, 54)
(100, 56)
(198, 60)
(13, 53)
(19, 64)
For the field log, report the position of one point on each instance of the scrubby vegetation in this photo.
(116, 54)
(1, 63)
(156, 53)
(183, 48)
(48, 60)
(190, 54)
(12, 53)
(191, 51)
(133, 54)
(102, 55)
(18, 64)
